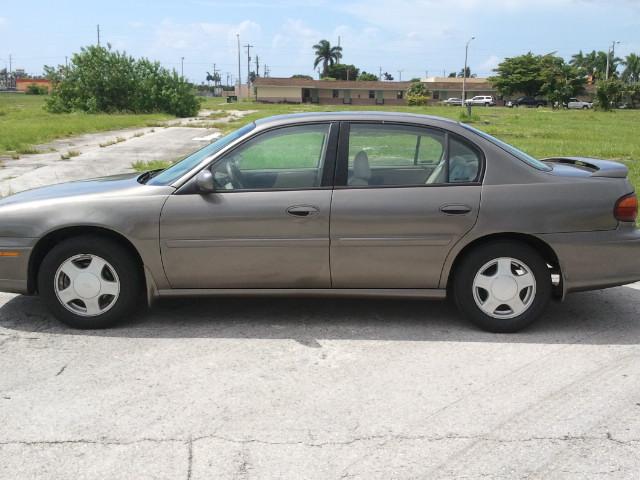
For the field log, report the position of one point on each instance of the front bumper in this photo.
(14, 264)
(594, 260)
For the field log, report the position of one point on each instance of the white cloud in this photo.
(489, 64)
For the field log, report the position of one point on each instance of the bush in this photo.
(608, 94)
(417, 100)
(417, 94)
(102, 80)
(34, 89)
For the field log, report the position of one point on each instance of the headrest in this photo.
(361, 168)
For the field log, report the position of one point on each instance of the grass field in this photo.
(24, 123)
(540, 132)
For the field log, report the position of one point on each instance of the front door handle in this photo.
(455, 209)
(302, 210)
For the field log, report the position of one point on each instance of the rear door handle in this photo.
(455, 209)
(302, 210)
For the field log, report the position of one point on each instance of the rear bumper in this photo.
(594, 260)
(14, 264)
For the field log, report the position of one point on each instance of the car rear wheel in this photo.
(90, 282)
(502, 287)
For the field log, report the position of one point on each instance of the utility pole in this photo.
(66, 61)
(338, 60)
(98, 29)
(239, 75)
(611, 55)
(400, 75)
(380, 74)
(257, 66)
(9, 64)
(266, 71)
(248, 47)
(464, 72)
(182, 67)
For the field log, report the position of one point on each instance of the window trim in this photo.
(342, 165)
(328, 166)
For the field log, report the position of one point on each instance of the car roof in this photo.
(352, 116)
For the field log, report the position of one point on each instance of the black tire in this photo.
(480, 256)
(123, 262)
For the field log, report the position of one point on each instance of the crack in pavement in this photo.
(190, 441)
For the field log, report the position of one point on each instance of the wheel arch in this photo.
(53, 238)
(534, 242)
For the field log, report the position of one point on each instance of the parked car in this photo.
(350, 204)
(531, 102)
(486, 100)
(453, 101)
(574, 103)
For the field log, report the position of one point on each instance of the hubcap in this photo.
(87, 285)
(504, 288)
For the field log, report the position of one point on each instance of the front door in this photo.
(404, 196)
(267, 224)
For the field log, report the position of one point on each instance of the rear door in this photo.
(404, 195)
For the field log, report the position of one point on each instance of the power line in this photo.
(248, 47)
(239, 75)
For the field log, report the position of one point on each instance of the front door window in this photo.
(284, 158)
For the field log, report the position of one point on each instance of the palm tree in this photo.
(631, 72)
(327, 55)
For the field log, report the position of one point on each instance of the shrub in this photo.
(417, 100)
(417, 94)
(608, 93)
(34, 89)
(101, 80)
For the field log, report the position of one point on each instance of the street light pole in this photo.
(464, 72)
(182, 67)
(611, 55)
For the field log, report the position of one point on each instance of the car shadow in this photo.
(601, 317)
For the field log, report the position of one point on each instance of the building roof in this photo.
(330, 84)
(445, 83)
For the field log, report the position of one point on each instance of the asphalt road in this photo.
(318, 389)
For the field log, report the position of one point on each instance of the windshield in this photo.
(525, 157)
(174, 172)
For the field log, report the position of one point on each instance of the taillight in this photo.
(626, 209)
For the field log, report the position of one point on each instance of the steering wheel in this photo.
(234, 174)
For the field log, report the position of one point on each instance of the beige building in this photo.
(330, 92)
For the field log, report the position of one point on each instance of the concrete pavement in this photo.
(316, 389)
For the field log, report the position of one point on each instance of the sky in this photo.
(419, 37)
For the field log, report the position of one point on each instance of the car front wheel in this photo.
(502, 287)
(90, 282)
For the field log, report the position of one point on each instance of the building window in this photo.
(336, 93)
(372, 94)
(400, 94)
(436, 95)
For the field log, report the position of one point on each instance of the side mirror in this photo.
(205, 181)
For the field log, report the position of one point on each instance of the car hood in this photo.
(125, 184)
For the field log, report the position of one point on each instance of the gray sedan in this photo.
(330, 204)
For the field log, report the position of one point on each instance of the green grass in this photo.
(140, 166)
(24, 123)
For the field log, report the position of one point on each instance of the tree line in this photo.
(558, 80)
